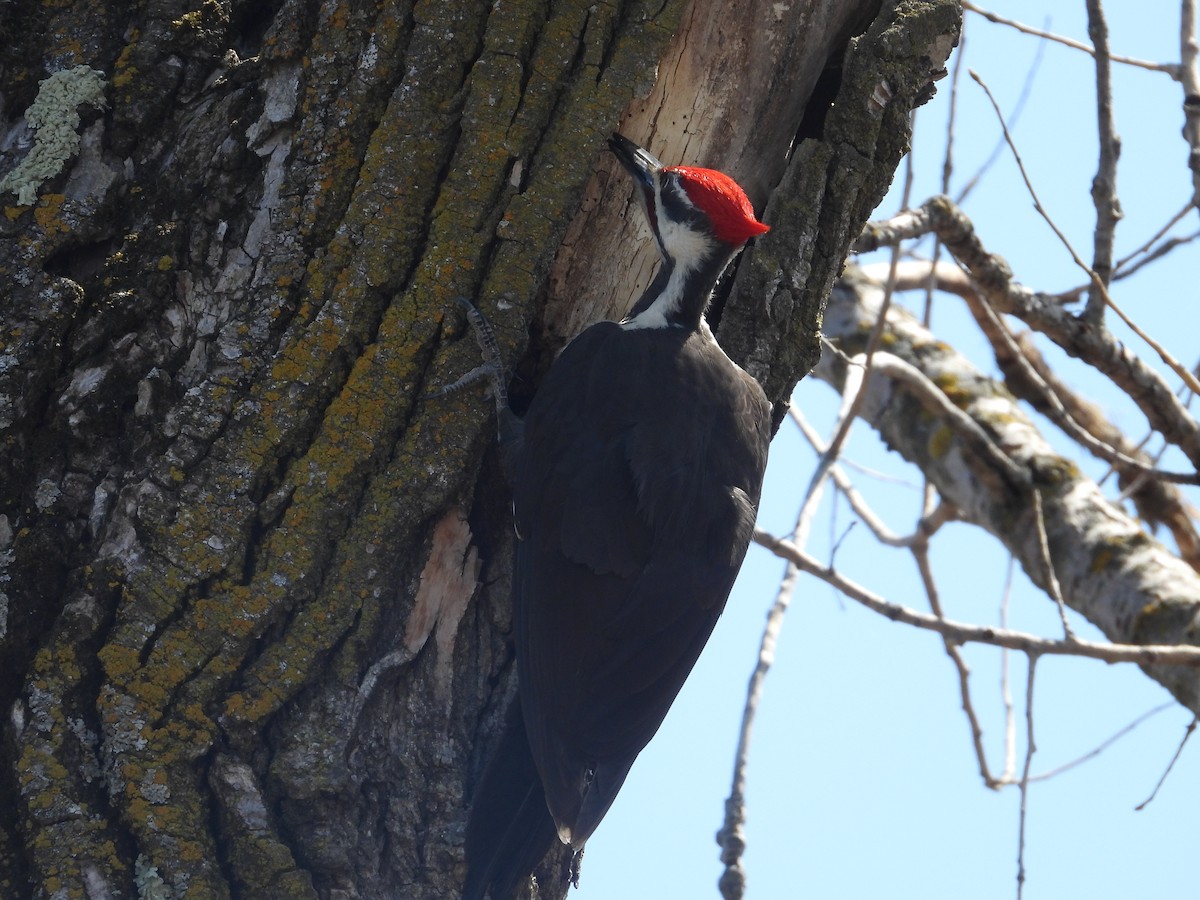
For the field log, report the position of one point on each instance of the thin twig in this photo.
(1167, 68)
(934, 399)
(1052, 584)
(885, 477)
(1104, 185)
(1030, 749)
(1189, 77)
(731, 837)
(1156, 496)
(1142, 654)
(952, 115)
(1014, 117)
(1177, 367)
(1103, 745)
(1010, 717)
(928, 525)
(947, 160)
(1178, 750)
(921, 555)
(918, 542)
(1122, 272)
(1037, 203)
(1158, 252)
(1188, 378)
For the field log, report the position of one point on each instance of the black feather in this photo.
(510, 830)
(635, 494)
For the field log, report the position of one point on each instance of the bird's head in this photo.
(694, 213)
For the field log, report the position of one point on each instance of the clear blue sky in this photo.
(862, 780)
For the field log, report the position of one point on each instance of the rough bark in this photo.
(242, 652)
(1109, 569)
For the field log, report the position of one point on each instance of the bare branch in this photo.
(936, 401)
(1152, 490)
(1104, 185)
(1017, 108)
(926, 526)
(1167, 68)
(731, 837)
(1178, 750)
(1030, 749)
(1175, 365)
(1103, 745)
(1158, 252)
(921, 555)
(963, 633)
(1098, 284)
(878, 527)
(1052, 585)
(1051, 398)
(993, 279)
(1189, 77)
(1037, 202)
(1010, 718)
(1123, 272)
(1109, 569)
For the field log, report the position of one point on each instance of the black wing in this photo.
(635, 498)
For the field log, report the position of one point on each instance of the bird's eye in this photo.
(674, 190)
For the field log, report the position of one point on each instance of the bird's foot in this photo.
(508, 426)
(493, 361)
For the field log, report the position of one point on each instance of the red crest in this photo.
(724, 202)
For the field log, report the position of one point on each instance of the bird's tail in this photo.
(510, 829)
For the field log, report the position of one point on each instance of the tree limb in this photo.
(1096, 346)
(1158, 500)
(961, 632)
(1118, 577)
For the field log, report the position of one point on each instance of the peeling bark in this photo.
(225, 324)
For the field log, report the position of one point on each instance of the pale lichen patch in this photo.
(55, 115)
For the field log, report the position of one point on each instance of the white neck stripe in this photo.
(687, 249)
(659, 314)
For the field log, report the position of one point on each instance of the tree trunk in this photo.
(254, 605)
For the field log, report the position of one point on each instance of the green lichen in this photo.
(55, 115)
(150, 885)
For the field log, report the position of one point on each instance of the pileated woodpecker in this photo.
(636, 481)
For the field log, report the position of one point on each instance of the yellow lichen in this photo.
(940, 441)
(125, 73)
(47, 214)
(1101, 560)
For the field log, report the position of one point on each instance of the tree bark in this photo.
(254, 607)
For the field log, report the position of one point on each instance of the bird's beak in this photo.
(640, 163)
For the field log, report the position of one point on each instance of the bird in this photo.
(636, 475)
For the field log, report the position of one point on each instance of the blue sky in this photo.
(862, 779)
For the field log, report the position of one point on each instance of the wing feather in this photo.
(635, 495)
